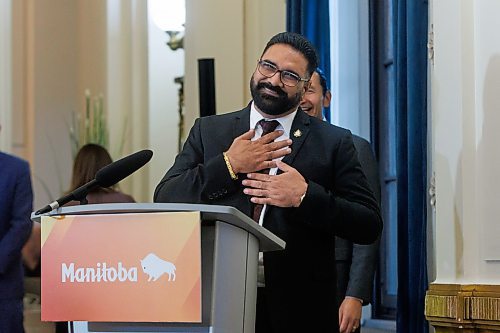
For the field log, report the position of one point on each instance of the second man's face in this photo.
(314, 101)
(270, 95)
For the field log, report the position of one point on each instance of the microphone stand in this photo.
(80, 194)
(105, 177)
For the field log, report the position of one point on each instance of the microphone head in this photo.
(122, 168)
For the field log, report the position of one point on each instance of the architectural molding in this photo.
(464, 308)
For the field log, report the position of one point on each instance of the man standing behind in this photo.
(355, 263)
(16, 199)
(315, 187)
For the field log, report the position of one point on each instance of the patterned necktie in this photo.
(267, 127)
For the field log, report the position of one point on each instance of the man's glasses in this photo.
(268, 69)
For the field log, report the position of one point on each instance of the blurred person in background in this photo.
(90, 159)
(16, 203)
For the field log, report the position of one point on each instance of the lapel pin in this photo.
(297, 133)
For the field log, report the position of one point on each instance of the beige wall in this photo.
(60, 48)
(50, 74)
(465, 83)
(234, 32)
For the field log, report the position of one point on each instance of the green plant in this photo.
(89, 126)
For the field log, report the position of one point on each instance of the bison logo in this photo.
(155, 267)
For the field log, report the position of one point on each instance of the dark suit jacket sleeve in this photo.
(201, 181)
(349, 207)
(361, 274)
(364, 257)
(20, 224)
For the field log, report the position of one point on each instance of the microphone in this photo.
(105, 177)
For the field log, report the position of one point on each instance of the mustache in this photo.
(269, 86)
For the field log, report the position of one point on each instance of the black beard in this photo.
(272, 105)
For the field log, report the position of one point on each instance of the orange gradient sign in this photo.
(122, 267)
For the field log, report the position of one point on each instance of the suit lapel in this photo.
(241, 122)
(298, 134)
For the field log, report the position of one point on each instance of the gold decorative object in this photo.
(441, 306)
(297, 133)
(453, 307)
(175, 42)
(229, 167)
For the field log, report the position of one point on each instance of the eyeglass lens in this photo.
(287, 78)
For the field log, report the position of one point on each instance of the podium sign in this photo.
(122, 267)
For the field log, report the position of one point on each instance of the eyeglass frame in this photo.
(281, 71)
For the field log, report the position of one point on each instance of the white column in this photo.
(465, 84)
(5, 74)
(164, 66)
(126, 85)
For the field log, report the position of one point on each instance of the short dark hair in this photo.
(322, 80)
(299, 43)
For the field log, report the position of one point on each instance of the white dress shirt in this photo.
(285, 124)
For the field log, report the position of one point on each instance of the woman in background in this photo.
(90, 159)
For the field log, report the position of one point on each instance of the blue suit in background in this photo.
(16, 200)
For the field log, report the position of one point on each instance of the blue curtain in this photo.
(311, 18)
(410, 31)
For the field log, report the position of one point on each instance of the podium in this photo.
(230, 243)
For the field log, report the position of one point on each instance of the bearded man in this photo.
(296, 175)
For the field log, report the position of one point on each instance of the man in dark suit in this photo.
(355, 263)
(315, 187)
(16, 201)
